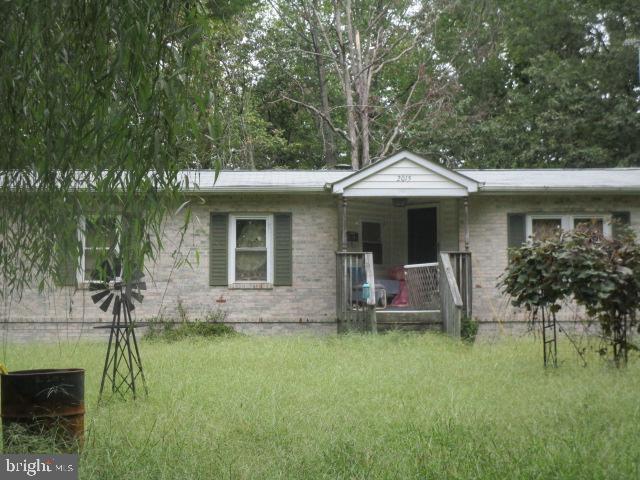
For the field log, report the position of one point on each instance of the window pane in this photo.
(592, 224)
(251, 266)
(251, 233)
(90, 265)
(376, 249)
(100, 265)
(371, 232)
(544, 228)
(100, 233)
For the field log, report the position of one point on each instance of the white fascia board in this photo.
(544, 189)
(468, 183)
(256, 189)
(400, 192)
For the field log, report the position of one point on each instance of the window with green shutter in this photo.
(521, 226)
(249, 250)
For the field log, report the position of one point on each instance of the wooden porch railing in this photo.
(354, 312)
(451, 305)
(461, 266)
(446, 286)
(422, 286)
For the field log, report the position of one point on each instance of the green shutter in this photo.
(66, 269)
(67, 250)
(620, 220)
(282, 240)
(218, 249)
(516, 229)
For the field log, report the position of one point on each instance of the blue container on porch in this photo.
(366, 291)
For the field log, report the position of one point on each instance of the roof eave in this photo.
(256, 189)
(549, 189)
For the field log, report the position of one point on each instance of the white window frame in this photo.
(232, 248)
(567, 220)
(82, 226)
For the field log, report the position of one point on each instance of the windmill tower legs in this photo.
(122, 364)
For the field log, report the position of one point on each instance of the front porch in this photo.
(403, 261)
(439, 294)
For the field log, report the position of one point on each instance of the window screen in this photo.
(251, 250)
(544, 228)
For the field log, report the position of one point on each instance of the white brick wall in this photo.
(311, 298)
(308, 305)
(488, 241)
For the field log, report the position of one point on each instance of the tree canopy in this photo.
(490, 83)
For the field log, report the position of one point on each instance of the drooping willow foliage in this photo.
(100, 107)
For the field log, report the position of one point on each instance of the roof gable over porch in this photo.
(405, 175)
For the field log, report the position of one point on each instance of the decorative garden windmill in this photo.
(122, 364)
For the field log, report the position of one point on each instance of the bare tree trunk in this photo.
(361, 74)
(360, 42)
(347, 86)
(363, 88)
(328, 140)
(353, 131)
(246, 134)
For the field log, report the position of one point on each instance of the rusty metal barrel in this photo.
(44, 402)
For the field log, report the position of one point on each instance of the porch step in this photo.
(411, 320)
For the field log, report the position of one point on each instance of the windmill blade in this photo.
(99, 296)
(105, 305)
(93, 286)
(116, 306)
(137, 296)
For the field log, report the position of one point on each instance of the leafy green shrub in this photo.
(172, 331)
(599, 273)
(469, 329)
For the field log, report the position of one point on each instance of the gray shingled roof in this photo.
(516, 180)
(264, 180)
(570, 180)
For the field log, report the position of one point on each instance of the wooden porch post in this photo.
(344, 224)
(466, 224)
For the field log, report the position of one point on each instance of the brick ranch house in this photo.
(271, 246)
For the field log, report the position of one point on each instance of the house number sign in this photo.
(403, 178)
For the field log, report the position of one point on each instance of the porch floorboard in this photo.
(408, 320)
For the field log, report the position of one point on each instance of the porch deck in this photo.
(406, 319)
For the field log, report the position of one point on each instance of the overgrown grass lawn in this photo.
(387, 406)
